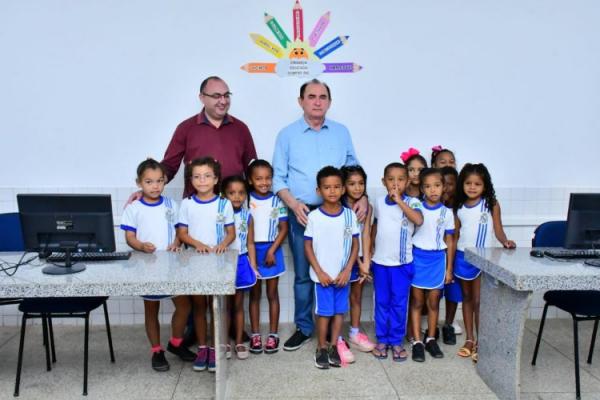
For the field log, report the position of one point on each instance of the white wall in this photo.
(89, 88)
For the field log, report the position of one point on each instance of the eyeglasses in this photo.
(203, 177)
(217, 96)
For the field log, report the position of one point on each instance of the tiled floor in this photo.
(283, 375)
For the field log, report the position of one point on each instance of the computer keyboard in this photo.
(98, 256)
(572, 253)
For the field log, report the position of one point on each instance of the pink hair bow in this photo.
(437, 148)
(408, 154)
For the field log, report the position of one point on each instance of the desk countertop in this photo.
(517, 269)
(187, 272)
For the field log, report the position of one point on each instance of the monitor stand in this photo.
(68, 268)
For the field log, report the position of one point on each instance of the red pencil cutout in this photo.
(298, 22)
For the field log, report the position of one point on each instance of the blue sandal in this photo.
(380, 351)
(399, 354)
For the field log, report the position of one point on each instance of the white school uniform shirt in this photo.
(331, 237)
(476, 226)
(152, 222)
(241, 219)
(438, 221)
(393, 242)
(206, 220)
(267, 212)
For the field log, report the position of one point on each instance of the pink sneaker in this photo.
(346, 355)
(362, 342)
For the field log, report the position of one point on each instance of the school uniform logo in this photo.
(170, 215)
(347, 232)
(220, 218)
(483, 219)
(274, 213)
(243, 227)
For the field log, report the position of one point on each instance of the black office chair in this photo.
(11, 239)
(582, 305)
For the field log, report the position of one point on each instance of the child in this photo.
(452, 291)
(414, 162)
(149, 225)
(477, 214)
(234, 189)
(441, 157)
(205, 223)
(355, 182)
(433, 253)
(270, 230)
(331, 247)
(395, 218)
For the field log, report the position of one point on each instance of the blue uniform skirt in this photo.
(270, 271)
(463, 269)
(430, 268)
(245, 276)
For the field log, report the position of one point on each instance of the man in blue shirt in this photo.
(301, 150)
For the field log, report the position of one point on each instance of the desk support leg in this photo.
(221, 338)
(502, 321)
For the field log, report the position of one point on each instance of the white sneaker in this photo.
(457, 329)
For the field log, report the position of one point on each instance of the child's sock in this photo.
(429, 338)
(156, 349)
(176, 341)
(274, 334)
(353, 331)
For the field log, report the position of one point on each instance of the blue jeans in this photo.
(303, 285)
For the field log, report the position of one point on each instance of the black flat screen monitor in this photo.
(583, 221)
(66, 223)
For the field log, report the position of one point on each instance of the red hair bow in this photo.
(408, 154)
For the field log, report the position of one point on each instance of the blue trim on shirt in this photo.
(197, 200)
(332, 215)
(283, 218)
(158, 203)
(232, 223)
(355, 235)
(128, 228)
(436, 207)
(474, 205)
(389, 201)
(307, 237)
(259, 197)
(449, 231)
(179, 224)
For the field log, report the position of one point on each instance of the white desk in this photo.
(509, 279)
(182, 273)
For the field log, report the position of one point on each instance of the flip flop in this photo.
(399, 354)
(466, 352)
(380, 351)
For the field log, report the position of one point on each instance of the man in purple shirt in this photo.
(212, 132)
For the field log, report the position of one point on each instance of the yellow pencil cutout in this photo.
(266, 44)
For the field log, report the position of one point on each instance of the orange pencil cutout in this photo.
(259, 68)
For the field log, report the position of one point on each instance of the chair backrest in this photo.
(11, 236)
(550, 234)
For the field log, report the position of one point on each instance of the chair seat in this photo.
(61, 304)
(578, 302)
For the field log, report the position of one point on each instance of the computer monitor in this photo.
(66, 223)
(583, 221)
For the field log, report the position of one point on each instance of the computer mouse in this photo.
(536, 253)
